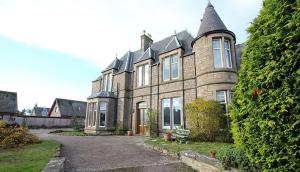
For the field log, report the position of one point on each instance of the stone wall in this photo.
(36, 121)
(8, 102)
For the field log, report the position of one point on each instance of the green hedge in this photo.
(236, 158)
(266, 105)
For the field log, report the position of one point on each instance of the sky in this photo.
(54, 48)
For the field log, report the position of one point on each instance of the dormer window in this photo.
(143, 75)
(170, 68)
(219, 59)
(107, 82)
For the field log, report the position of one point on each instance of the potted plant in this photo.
(130, 133)
(167, 136)
(213, 154)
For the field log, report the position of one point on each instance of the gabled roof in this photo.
(182, 39)
(69, 107)
(8, 102)
(211, 23)
(41, 111)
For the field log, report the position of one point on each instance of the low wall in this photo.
(38, 121)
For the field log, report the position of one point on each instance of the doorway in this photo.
(141, 117)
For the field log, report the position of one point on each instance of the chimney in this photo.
(146, 41)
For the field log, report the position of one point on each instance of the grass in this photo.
(30, 158)
(68, 133)
(200, 147)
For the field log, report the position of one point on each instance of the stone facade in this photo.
(8, 103)
(128, 92)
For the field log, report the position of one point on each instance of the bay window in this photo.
(224, 97)
(92, 114)
(227, 53)
(171, 113)
(170, 68)
(143, 75)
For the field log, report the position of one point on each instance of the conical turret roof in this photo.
(211, 23)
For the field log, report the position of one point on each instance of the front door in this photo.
(141, 121)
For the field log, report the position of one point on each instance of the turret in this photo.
(214, 56)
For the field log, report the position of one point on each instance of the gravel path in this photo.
(111, 153)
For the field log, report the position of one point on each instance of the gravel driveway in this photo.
(111, 153)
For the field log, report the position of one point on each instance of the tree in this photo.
(266, 108)
(204, 118)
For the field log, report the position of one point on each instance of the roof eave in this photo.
(212, 32)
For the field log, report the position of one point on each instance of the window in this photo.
(56, 109)
(219, 60)
(102, 114)
(227, 53)
(222, 98)
(107, 82)
(170, 68)
(217, 53)
(92, 112)
(171, 113)
(143, 75)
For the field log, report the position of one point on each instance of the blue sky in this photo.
(55, 48)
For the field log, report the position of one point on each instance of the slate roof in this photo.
(102, 94)
(182, 39)
(70, 107)
(40, 111)
(211, 22)
(8, 102)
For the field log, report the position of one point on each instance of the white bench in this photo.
(182, 135)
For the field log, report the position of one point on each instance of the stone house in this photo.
(40, 111)
(165, 75)
(8, 103)
(67, 108)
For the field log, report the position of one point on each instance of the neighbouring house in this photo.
(67, 108)
(8, 103)
(165, 75)
(40, 111)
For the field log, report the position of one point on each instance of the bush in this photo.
(204, 119)
(152, 122)
(11, 137)
(266, 104)
(236, 158)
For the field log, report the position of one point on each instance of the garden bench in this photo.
(182, 135)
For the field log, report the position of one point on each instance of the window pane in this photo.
(102, 118)
(166, 112)
(102, 106)
(216, 43)
(221, 96)
(166, 69)
(174, 62)
(217, 53)
(217, 58)
(140, 75)
(104, 82)
(176, 111)
(227, 53)
(109, 82)
(146, 76)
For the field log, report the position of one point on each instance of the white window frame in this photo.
(227, 50)
(172, 125)
(143, 75)
(107, 82)
(227, 96)
(170, 74)
(105, 112)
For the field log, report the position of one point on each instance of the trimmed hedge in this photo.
(266, 104)
(204, 118)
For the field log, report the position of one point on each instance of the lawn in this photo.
(200, 147)
(68, 133)
(30, 158)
